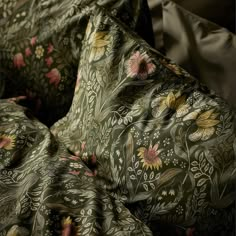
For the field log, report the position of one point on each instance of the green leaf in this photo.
(179, 150)
(136, 165)
(194, 163)
(145, 187)
(152, 186)
(168, 175)
(200, 203)
(132, 177)
(129, 146)
(194, 169)
(139, 172)
(201, 182)
(151, 175)
(197, 175)
(145, 176)
(203, 188)
(211, 170)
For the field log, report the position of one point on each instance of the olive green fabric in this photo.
(157, 136)
(40, 47)
(144, 149)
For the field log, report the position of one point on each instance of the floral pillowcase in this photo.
(40, 50)
(154, 138)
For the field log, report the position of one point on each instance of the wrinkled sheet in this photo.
(144, 150)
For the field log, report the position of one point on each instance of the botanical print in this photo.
(144, 148)
(45, 45)
(7, 142)
(140, 65)
(150, 157)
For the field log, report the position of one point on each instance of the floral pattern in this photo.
(7, 142)
(140, 65)
(150, 157)
(45, 45)
(144, 149)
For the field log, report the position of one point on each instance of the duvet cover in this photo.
(137, 146)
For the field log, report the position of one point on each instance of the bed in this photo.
(102, 132)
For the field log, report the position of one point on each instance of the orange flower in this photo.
(19, 60)
(149, 157)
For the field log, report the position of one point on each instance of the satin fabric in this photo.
(203, 48)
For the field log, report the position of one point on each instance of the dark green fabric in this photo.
(41, 43)
(144, 149)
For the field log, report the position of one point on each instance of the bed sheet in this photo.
(145, 149)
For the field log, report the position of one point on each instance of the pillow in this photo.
(155, 139)
(203, 48)
(40, 48)
(208, 9)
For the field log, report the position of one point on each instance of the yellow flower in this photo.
(173, 101)
(67, 221)
(7, 142)
(99, 42)
(205, 123)
(39, 51)
(149, 157)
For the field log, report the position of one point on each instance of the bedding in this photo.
(144, 149)
(203, 48)
(41, 43)
(216, 11)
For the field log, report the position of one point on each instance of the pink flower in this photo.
(190, 231)
(150, 157)
(54, 77)
(33, 41)
(49, 61)
(140, 65)
(83, 146)
(74, 172)
(74, 158)
(50, 48)
(7, 142)
(16, 99)
(66, 226)
(19, 60)
(77, 82)
(93, 159)
(77, 153)
(28, 52)
(90, 173)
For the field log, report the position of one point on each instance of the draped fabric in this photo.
(144, 149)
